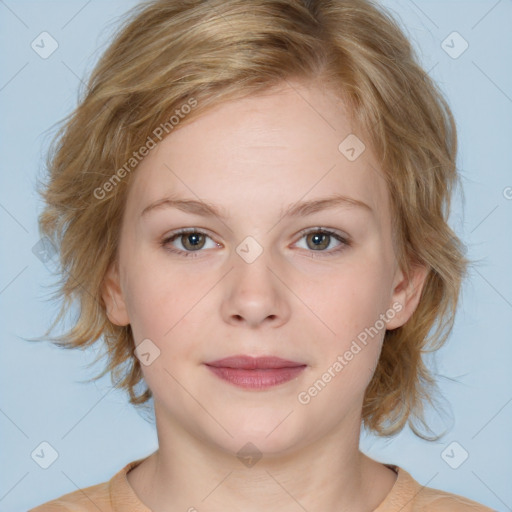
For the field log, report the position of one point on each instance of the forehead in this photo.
(290, 144)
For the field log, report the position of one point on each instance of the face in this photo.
(292, 258)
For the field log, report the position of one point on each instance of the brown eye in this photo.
(319, 240)
(188, 242)
(323, 242)
(192, 241)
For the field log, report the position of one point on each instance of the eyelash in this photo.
(345, 242)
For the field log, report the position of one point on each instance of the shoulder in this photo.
(408, 495)
(95, 497)
(105, 496)
(436, 500)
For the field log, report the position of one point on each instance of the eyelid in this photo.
(323, 229)
(183, 231)
(344, 239)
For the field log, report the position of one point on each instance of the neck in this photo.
(330, 474)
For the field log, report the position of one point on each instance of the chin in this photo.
(265, 435)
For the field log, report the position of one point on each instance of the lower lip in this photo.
(257, 379)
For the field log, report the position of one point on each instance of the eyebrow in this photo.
(294, 210)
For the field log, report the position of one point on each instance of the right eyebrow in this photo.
(186, 205)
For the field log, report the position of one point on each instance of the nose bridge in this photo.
(255, 293)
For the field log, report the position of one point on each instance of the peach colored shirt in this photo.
(117, 495)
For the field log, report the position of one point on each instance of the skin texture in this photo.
(252, 158)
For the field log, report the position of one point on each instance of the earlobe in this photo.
(406, 295)
(113, 297)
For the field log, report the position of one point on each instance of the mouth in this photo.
(255, 373)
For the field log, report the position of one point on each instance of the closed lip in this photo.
(244, 362)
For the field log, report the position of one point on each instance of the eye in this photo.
(191, 240)
(318, 239)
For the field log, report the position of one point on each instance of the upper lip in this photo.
(254, 363)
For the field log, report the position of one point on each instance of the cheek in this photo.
(352, 299)
(350, 302)
(161, 311)
(165, 305)
(155, 300)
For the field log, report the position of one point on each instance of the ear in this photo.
(406, 294)
(113, 297)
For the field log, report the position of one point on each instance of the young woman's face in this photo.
(316, 285)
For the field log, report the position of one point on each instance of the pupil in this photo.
(192, 240)
(320, 238)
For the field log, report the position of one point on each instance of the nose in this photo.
(255, 295)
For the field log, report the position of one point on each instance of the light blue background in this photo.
(92, 427)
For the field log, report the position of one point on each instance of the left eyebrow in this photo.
(294, 210)
(309, 207)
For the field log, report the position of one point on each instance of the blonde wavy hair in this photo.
(169, 52)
